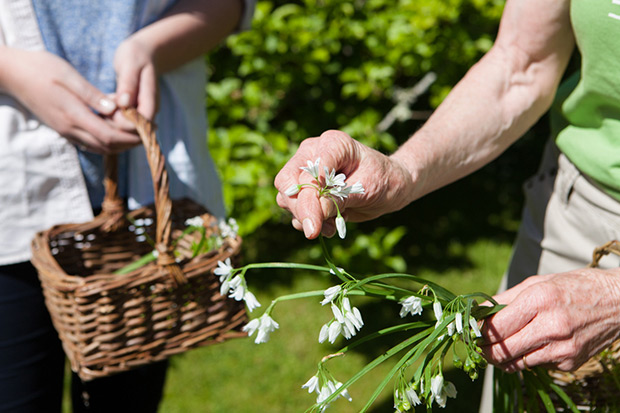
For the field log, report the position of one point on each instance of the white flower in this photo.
(458, 320)
(292, 190)
(331, 179)
(228, 229)
(324, 333)
(357, 188)
(335, 328)
(437, 310)
(252, 326)
(437, 389)
(412, 396)
(341, 227)
(474, 326)
(331, 293)
(224, 269)
(312, 385)
(194, 222)
(403, 402)
(440, 391)
(337, 313)
(330, 388)
(344, 393)
(450, 389)
(238, 293)
(411, 304)
(339, 191)
(225, 287)
(265, 325)
(344, 191)
(352, 314)
(451, 329)
(236, 287)
(312, 169)
(251, 301)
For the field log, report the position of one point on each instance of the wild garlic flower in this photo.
(235, 287)
(441, 390)
(411, 304)
(458, 321)
(331, 179)
(438, 311)
(312, 385)
(474, 326)
(341, 226)
(194, 222)
(265, 325)
(329, 388)
(251, 301)
(312, 168)
(292, 190)
(331, 293)
(228, 228)
(224, 269)
(405, 400)
(348, 321)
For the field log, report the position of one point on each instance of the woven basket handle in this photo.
(112, 203)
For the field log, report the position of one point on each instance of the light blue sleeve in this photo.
(248, 13)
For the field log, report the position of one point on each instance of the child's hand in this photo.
(136, 78)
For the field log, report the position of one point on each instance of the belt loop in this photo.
(567, 176)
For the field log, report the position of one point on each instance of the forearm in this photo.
(498, 100)
(188, 30)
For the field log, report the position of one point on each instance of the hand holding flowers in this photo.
(315, 214)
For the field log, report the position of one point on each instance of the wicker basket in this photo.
(595, 386)
(109, 323)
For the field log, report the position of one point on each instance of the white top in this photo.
(41, 182)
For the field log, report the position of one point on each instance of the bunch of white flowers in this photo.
(333, 186)
(452, 329)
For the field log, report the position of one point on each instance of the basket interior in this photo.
(86, 249)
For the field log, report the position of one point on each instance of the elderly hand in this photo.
(61, 98)
(384, 179)
(558, 320)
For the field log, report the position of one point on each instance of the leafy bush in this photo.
(310, 65)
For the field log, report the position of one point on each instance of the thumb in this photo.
(92, 96)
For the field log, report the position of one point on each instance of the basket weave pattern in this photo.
(110, 323)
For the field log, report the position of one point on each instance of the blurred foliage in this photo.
(311, 65)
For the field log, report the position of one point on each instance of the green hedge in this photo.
(312, 65)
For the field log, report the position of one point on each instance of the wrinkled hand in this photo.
(385, 182)
(136, 79)
(61, 98)
(558, 321)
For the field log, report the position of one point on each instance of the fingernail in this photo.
(308, 227)
(123, 100)
(106, 106)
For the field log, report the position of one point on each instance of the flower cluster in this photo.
(334, 186)
(265, 325)
(330, 389)
(234, 285)
(347, 320)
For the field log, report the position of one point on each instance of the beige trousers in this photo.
(565, 217)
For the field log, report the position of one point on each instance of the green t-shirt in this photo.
(591, 139)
